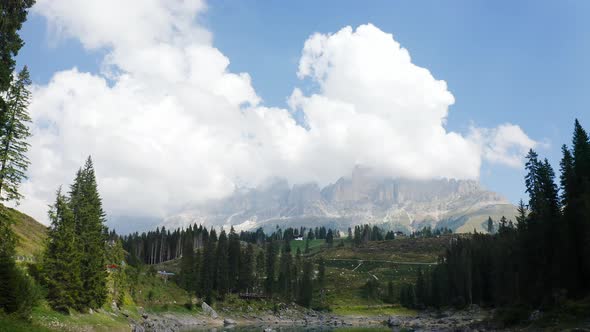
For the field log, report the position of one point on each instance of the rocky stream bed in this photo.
(297, 320)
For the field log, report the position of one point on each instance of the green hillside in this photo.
(30, 233)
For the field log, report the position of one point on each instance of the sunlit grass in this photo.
(12, 325)
(100, 321)
(372, 310)
(314, 245)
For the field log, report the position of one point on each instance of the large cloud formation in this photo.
(168, 124)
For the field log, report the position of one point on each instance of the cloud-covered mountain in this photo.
(363, 197)
(168, 122)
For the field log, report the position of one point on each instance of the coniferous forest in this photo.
(213, 265)
(539, 261)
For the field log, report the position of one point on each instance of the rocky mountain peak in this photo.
(363, 197)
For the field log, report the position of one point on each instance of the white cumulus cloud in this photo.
(505, 144)
(168, 124)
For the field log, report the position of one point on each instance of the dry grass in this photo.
(30, 233)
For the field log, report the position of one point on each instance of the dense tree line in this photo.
(225, 264)
(213, 266)
(427, 232)
(18, 291)
(161, 245)
(540, 260)
(366, 233)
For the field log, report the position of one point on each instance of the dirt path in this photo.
(378, 261)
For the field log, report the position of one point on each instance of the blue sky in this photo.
(525, 63)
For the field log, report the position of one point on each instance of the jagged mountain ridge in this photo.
(399, 204)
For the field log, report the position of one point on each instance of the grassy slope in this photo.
(30, 233)
(344, 285)
(314, 246)
(10, 325)
(146, 290)
(346, 275)
(416, 250)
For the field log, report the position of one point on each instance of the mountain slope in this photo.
(30, 233)
(399, 204)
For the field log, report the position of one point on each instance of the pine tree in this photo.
(233, 259)
(271, 258)
(89, 216)
(246, 275)
(14, 132)
(260, 265)
(296, 273)
(285, 270)
(329, 238)
(13, 117)
(221, 255)
(208, 268)
(490, 226)
(62, 260)
(306, 288)
(187, 264)
(197, 272)
(580, 205)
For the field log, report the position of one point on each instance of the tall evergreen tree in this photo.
(271, 259)
(306, 288)
(62, 260)
(260, 269)
(234, 251)
(221, 255)
(187, 264)
(14, 132)
(329, 238)
(285, 271)
(86, 204)
(246, 274)
(490, 225)
(207, 270)
(580, 204)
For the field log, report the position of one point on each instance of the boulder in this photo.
(209, 311)
(229, 321)
(393, 321)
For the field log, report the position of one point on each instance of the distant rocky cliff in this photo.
(399, 204)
